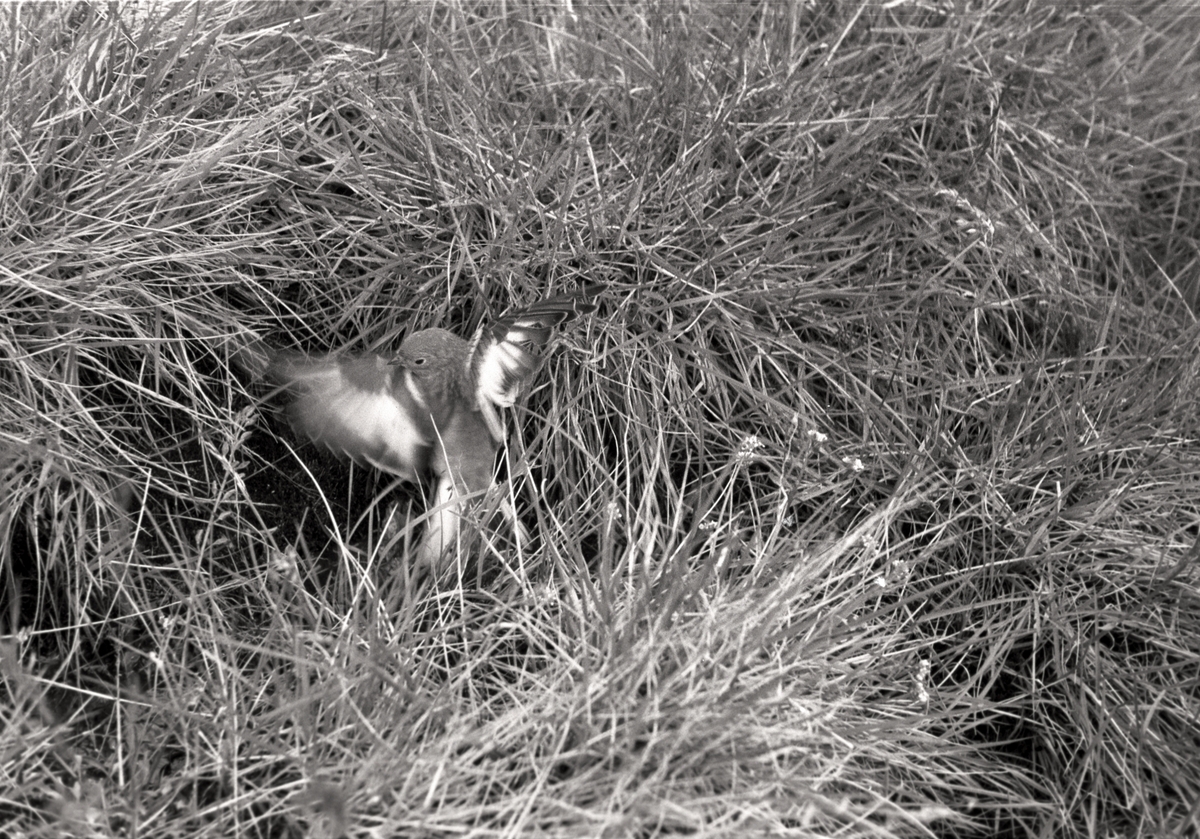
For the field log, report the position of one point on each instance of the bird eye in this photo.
(417, 362)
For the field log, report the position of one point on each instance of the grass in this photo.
(866, 505)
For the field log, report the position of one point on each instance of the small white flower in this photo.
(748, 447)
(284, 562)
(919, 681)
(817, 435)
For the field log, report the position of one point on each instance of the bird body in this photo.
(433, 408)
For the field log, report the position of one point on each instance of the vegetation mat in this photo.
(865, 505)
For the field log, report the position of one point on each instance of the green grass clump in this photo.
(865, 505)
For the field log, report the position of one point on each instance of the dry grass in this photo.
(866, 505)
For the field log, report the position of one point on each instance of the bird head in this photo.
(434, 361)
(430, 351)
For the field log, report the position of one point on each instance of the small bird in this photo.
(434, 407)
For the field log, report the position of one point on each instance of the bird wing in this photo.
(358, 407)
(503, 355)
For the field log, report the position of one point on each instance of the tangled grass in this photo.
(867, 504)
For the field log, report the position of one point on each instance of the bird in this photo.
(432, 409)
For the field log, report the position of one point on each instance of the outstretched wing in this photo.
(358, 407)
(503, 355)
